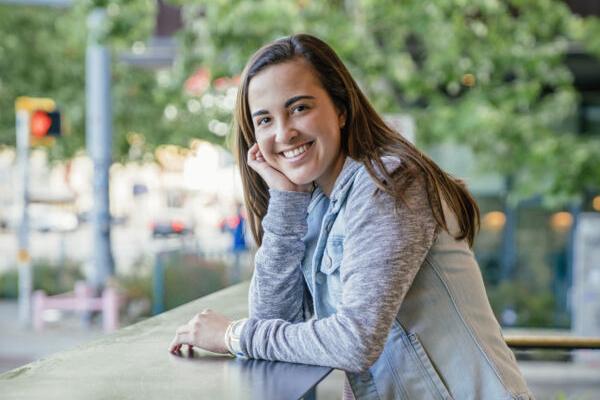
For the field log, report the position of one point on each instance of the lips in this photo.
(296, 151)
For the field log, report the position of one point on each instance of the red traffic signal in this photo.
(45, 123)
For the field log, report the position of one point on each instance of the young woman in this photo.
(364, 262)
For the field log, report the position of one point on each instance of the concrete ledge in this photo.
(134, 362)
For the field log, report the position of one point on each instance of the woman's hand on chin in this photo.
(206, 330)
(273, 178)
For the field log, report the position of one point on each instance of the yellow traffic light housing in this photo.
(44, 119)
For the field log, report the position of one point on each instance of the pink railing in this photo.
(82, 299)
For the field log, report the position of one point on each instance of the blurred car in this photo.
(169, 227)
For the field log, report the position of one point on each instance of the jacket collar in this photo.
(341, 186)
(344, 179)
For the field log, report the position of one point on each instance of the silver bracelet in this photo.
(232, 337)
(228, 338)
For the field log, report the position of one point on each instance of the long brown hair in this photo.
(365, 137)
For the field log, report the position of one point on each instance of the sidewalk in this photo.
(18, 346)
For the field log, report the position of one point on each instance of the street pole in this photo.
(24, 106)
(99, 142)
(23, 258)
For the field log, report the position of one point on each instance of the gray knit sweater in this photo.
(384, 247)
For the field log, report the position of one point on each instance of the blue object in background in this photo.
(239, 236)
(139, 189)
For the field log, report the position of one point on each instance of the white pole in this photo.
(23, 258)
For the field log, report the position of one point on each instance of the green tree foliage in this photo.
(486, 73)
(151, 107)
(41, 55)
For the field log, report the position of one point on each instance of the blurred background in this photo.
(127, 179)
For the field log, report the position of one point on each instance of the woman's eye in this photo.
(262, 121)
(299, 108)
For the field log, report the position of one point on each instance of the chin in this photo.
(300, 179)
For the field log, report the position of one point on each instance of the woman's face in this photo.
(296, 124)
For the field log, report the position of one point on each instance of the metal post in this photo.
(23, 259)
(99, 142)
(570, 250)
(158, 284)
(508, 257)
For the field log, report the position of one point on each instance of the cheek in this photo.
(262, 143)
(266, 147)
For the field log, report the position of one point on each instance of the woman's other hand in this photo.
(206, 330)
(273, 178)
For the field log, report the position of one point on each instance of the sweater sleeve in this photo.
(277, 285)
(384, 247)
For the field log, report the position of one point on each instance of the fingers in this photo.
(253, 149)
(270, 174)
(259, 156)
(252, 152)
(255, 156)
(182, 336)
(178, 342)
(185, 334)
(205, 330)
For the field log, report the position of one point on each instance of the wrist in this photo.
(232, 337)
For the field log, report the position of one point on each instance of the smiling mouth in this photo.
(297, 151)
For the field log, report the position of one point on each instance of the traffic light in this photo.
(45, 123)
(40, 121)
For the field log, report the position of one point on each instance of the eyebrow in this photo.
(288, 103)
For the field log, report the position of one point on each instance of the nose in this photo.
(285, 132)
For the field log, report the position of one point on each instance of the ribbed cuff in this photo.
(246, 338)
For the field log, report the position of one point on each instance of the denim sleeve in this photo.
(384, 247)
(277, 285)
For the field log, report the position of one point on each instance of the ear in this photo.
(342, 119)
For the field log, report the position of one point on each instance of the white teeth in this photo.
(295, 152)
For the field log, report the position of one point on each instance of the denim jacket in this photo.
(356, 283)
